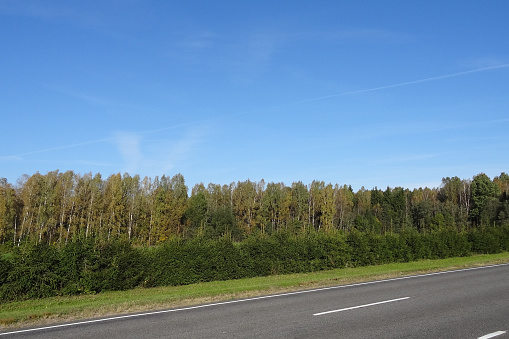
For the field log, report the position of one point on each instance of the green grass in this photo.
(59, 309)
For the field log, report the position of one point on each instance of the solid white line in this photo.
(361, 306)
(492, 335)
(248, 299)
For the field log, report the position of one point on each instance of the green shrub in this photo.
(117, 266)
(487, 241)
(361, 254)
(73, 257)
(89, 266)
(32, 273)
(5, 268)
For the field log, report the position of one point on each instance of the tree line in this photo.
(60, 206)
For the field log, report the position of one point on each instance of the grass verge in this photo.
(61, 309)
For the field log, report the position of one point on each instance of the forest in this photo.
(67, 234)
(56, 207)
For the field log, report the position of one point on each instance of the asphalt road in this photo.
(470, 303)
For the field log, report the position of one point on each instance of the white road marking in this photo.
(361, 306)
(247, 299)
(492, 335)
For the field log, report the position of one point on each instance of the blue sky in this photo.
(365, 93)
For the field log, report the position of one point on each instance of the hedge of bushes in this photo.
(90, 266)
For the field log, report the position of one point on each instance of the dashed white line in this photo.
(361, 306)
(492, 335)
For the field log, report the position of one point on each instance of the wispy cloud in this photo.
(128, 144)
(241, 56)
(120, 139)
(94, 99)
(253, 57)
(261, 47)
(147, 152)
(162, 155)
(196, 48)
(190, 139)
(94, 163)
(33, 9)
(10, 158)
(369, 35)
(402, 129)
(83, 96)
(199, 40)
(404, 158)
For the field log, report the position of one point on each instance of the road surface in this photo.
(468, 303)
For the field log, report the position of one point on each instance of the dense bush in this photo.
(112, 266)
(5, 268)
(490, 240)
(33, 273)
(89, 266)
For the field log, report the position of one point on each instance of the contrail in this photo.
(440, 77)
(413, 82)
(57, 148)
(97, 141)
